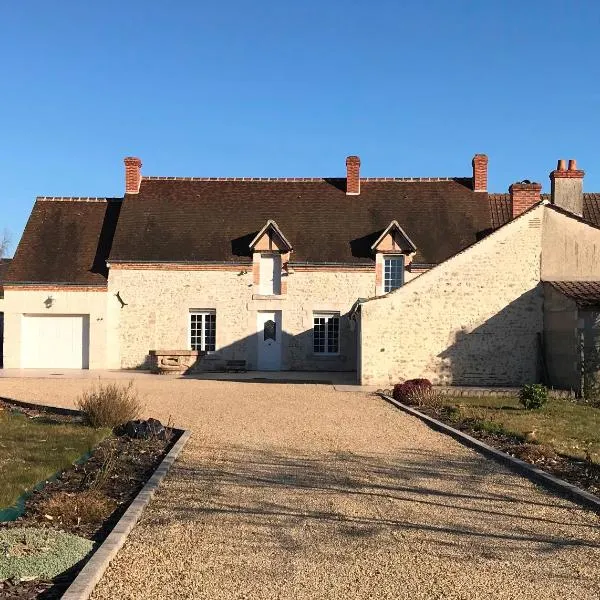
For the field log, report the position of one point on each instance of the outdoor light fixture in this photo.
(49, 301)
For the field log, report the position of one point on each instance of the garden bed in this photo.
(565, 446)
(86, 499)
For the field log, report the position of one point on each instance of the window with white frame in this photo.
(393, 272)
(326, 333)
(203, 330)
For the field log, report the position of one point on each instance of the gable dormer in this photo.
(393, 251)
(270, 239)
(270, 256)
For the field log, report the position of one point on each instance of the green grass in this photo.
(569, 427)
(31, 450)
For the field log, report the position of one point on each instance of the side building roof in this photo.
(66, 241)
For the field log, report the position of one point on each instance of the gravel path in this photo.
(299, 491)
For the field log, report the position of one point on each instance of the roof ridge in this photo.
(296, 179)
(75, 198)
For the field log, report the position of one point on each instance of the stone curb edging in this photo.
(56, 410)
(83, 585)
(572, 492)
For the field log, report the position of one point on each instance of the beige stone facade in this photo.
(97, 305)
(471, 320)
(158, 304)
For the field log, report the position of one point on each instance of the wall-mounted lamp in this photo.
(243, 272)
(49, 301)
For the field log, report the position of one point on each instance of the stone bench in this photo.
(173, 361)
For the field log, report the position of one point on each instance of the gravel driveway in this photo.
(299, 491)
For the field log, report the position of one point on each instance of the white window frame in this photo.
(264, 276)
(384, 279)
(327, 316)
(203, 313)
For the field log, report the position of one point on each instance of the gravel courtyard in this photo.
(300, 491)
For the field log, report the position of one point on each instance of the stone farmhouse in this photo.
(393, 278)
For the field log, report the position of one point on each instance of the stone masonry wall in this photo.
(159, 301)
(472, 320)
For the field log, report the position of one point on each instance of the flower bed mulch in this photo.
(117, 470)
(582, 473)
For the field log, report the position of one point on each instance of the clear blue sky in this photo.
(275, 88)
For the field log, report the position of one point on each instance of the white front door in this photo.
(270, 274)
(55, 342)
(269, 340)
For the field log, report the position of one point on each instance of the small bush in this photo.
(88, 507)
(403, 392)
(533, 396)
(110, 405)
(425, 396)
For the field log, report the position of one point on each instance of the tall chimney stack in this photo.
(567, 187)
(524, 195)
(133, 174)
(480, 173)
(352, 176)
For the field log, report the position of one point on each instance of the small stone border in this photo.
(538, 476)
(83, 585)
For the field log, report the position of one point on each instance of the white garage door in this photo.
(55, 342)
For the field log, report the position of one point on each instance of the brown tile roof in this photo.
(4, 263)
(501, 211)
(584, 293)
(66, 241)
(190, 219)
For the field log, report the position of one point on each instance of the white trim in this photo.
(327, 315)
(203, 312)
(270, 224)
(392, 225)
(386, 257)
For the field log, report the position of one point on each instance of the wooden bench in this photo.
(235, 366)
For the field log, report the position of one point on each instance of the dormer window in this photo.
(270, 274)
(393, 272)
(393, 251)
(271, 251)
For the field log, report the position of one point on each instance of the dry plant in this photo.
(88, 507)
(426, 397)
(110, 404)
(535, 452)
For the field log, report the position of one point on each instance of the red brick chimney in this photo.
(352, 175)
(567, 187)
(480, 172)
(523, 195)
(133, 174)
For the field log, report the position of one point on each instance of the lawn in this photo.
(569, 427)
(33, 449)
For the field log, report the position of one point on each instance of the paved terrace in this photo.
(301, 491)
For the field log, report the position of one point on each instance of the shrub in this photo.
(403, 392)
(425, 396)
(110, 405)
(533, 396)
(87, 507)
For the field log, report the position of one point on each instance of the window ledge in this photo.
(268, 297)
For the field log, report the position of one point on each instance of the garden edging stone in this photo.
(83, 585)
(538, 476)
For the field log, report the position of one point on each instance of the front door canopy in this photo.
(270, 239)
(394, 239)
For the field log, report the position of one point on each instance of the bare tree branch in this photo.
(5, 241)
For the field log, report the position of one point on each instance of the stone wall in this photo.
(473, 320)
(571, 249)
(158, 303)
